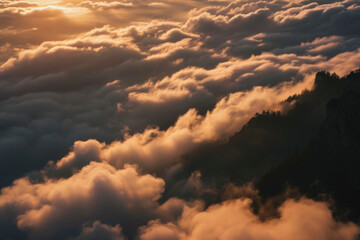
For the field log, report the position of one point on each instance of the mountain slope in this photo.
(330, 164)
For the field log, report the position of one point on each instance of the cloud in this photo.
(53, 66)
(55, 208)
(27, 24)
(280, 25)
(304, 219)
(101, 231)
(97, 83)
(156, 150)
(146, 91)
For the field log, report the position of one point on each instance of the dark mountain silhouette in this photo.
(330, 164)
(268, 137)
(265, 140)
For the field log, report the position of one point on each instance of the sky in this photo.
(101, 100)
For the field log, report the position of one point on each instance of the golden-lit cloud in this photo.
(98, 191)
(304, 219)
(132, 87)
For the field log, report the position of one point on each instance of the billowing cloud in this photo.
(98, 192)
(154, 149)
(304, 219)
(131, 87)
(99, 83)
(101, 231)
(26, 24)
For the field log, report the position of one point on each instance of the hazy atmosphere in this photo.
(180, 120)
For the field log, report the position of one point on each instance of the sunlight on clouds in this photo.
(68, 11)
(112, 114)
(71, 11)
(45, 2)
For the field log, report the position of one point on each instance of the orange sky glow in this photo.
(112, 113)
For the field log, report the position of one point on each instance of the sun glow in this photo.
(69, 11)
(44, 2)
(179, 119)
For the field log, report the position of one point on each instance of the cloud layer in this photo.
(130, 96)
(302, 219)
